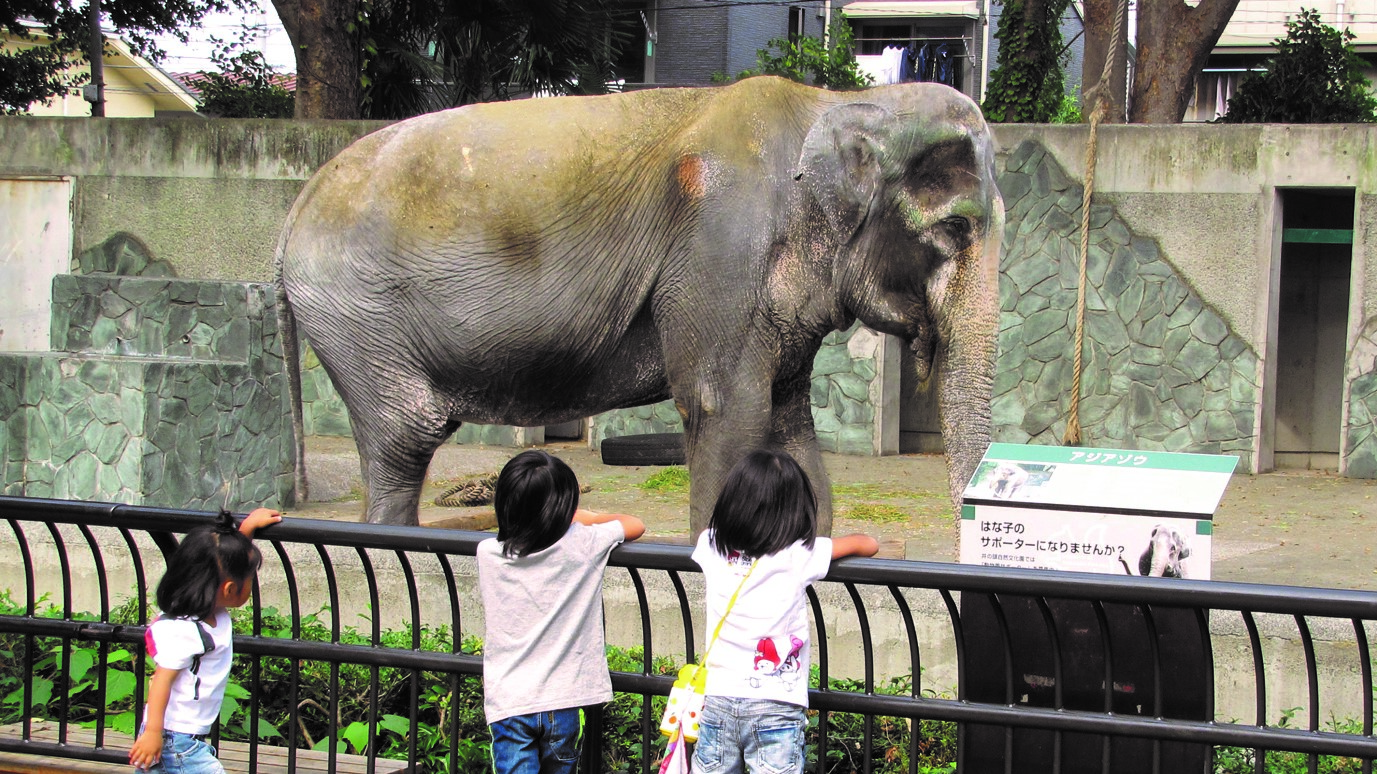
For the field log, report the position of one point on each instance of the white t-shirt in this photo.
(543, 640)
(173, 643)
(763, 650)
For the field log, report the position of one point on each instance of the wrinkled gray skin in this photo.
(534, 262)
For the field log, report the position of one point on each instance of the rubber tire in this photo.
(647, 449)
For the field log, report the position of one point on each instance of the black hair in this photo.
(766, 505)
(206, 558)
(535, 500)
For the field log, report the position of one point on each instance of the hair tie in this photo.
(224, 523)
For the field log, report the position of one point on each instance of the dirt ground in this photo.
(1301, 528)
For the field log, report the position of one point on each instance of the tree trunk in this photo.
(327, 56)
(1174, 40)
(1099, 29)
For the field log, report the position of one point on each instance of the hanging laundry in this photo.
(942, 65)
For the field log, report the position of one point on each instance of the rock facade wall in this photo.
(1161, 370)
(161, 392)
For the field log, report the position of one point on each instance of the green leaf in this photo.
(122, 722)
(396, 724)
(119, 685)
(267, 730)
(357, 735)
(42, 693)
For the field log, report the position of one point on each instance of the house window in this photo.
(797, 21)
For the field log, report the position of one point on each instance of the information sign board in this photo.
(1093, 510)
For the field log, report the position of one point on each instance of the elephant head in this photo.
(905, 183)
(1164, 554)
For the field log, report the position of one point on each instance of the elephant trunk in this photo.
(1161, 552)
(968, 318)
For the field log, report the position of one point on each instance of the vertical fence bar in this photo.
(915, 670)
(1106, 642)
(868, 651)
(413, 703)
(294, 670)
(332, 720)
(141, 595)
(375, 615)
(822, 660)
(26, 697)
(103, 586)
(1058, 698)
(1155, 654)
(647, 656)
(65, 672)
(958, 632)
(1259, 686)
(1312, 684)
(1002, 624)
(456, 646)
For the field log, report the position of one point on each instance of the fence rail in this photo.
(1023, 640)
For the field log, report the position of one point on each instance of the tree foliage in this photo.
(807, 60)
(1314, 78)
(1027, 83)
(420, 55)
(40, 71)
(243, 85)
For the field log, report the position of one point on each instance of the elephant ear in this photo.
(840, 162)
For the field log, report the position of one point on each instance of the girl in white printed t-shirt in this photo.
(761, 548)
(191, 643)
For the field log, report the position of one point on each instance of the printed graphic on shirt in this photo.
(739, 562)
(770, 667)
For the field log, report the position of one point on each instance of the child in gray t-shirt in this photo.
(541, 583)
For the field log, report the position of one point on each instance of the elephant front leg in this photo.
(792, 430)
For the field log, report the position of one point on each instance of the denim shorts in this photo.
(186, 754)
(759, 735)
(539, 743)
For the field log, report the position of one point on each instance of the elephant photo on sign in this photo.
(540, 261)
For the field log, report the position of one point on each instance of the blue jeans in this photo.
(186, 754)
(540, 743)
(759, 735)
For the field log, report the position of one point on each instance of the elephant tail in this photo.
(1127, 571)
(291, 356)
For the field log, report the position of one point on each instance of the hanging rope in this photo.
(1097, 114)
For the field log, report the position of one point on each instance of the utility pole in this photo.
(95, 90)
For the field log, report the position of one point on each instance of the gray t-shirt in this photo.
(543, 646)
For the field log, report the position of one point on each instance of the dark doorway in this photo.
(1312, 320)
(920, 431)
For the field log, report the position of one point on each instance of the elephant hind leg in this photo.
(395, 449)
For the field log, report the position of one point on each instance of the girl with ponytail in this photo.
(191, 642)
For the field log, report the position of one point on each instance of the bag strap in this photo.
(730, 603)
(207, 645)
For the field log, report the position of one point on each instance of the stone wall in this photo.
(1162, 370)
(161, 392)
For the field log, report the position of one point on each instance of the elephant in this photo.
(1163, 556)
(1007, 479)
(534, 262)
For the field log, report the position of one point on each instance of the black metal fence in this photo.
(1049, 671)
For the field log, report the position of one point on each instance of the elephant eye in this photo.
(957, 225)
